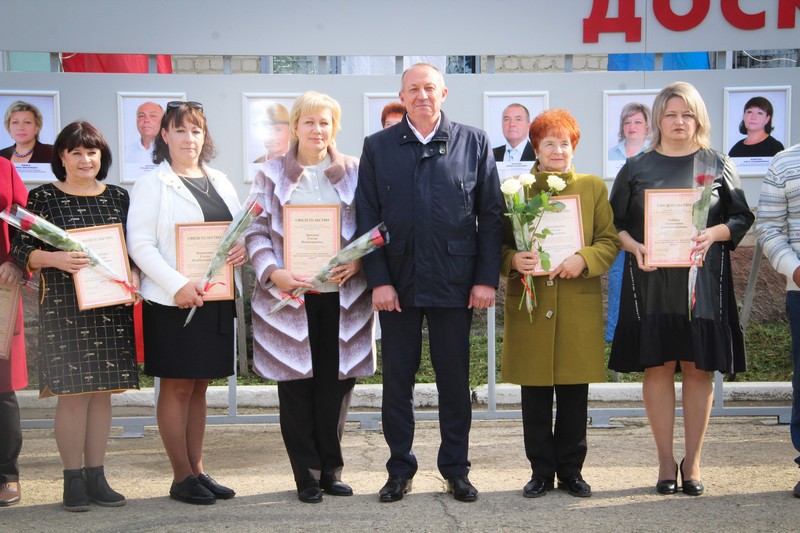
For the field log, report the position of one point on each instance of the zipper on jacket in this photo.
(463, 193)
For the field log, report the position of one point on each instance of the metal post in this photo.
(491, 353)
(750, 292)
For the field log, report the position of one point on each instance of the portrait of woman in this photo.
(84, 356)
(275, 130)
(183, 189)
(314, 351)
(559, 352)
(757, 125)
(23, 122)
(655, 333)
(634, 128)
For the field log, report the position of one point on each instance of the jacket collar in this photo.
(405, 135)
(566, 176)
(334, 172)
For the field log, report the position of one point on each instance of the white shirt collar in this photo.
(418, 135)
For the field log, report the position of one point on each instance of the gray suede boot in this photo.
(98, 489)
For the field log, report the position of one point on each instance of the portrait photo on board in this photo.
(756, 126)
(266, 129)
(381, 110)
(139, 121)
(30, 125)
(627, 124)
(507, 118)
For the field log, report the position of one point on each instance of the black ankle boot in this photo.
(75, 497)
(98, 489)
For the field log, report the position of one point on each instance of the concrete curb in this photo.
(425, 395)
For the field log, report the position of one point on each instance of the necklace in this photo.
(26, 154)
(189, 181)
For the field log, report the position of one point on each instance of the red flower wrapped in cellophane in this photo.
(253, 206)
(56, 237)
(367, 243)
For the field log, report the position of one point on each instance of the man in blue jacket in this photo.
(434, 183)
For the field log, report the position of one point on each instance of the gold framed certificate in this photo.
(311, 236)
(668, 227)
(195, 245)
(567, 231)
(92, 287)
(9, 304)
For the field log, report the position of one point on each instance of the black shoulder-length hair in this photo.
(764, 105)
(75, 135)
(175, 116)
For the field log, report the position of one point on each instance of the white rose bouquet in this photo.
(525, 210)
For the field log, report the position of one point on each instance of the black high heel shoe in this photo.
(692, 487)
(668, 486)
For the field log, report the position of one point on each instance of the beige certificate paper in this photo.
(195, 246)
(9, 303)
(311, 236)
(668, 227)
(567, 231)
(93, 288)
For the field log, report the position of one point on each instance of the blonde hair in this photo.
(311, 101)
(686, 92)
(20, 106)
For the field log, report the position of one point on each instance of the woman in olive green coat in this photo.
(561, 348)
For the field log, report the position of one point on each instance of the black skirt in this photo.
(201, 350)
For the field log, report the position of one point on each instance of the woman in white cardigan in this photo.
(182, 190)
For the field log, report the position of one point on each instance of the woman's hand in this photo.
(572, 267)
(287, 282)
(631, 245)
(342, 273)
(705, 239)
(136, 285)
(640, 251)
(190, 295)
(237, 256)
(70, 262)
(9, 274)
(525, 262)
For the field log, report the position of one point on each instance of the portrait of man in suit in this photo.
(516, 123)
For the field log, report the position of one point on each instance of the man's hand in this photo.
(481, 297)
(384, 298)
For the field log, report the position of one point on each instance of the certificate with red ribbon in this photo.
(93, 287)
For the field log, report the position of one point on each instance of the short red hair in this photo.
(554, 122)
(392, 108)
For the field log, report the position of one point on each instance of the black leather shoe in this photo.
(537, 486)
(336, 488)
(191, 491)
(576, 486)
(462, 489)
(692, 487)
(310, 494)
(796, 491)
(220, 491)
(395, 488)
(668, 486)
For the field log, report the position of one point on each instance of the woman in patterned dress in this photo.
(183, 189)
(84, 356)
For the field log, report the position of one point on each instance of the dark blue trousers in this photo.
(401, 349)
(793, 311)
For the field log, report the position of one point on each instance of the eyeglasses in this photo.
(175, 104)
